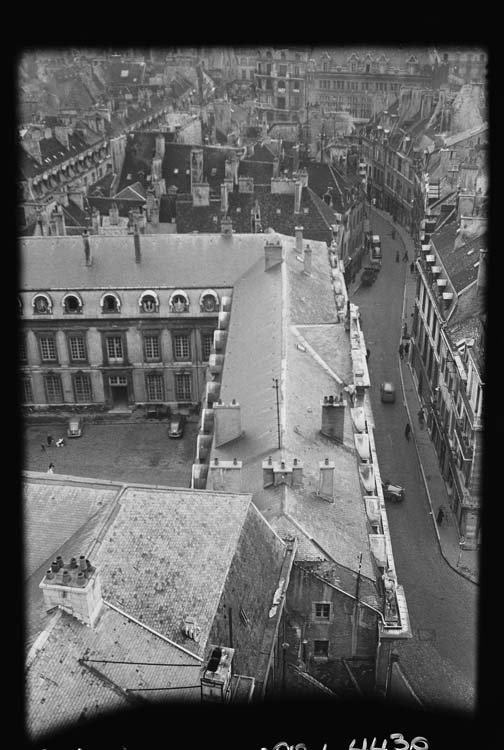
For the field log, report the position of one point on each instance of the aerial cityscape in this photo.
(251, 358)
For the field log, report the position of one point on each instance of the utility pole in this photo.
(275, 386)
(357, 586)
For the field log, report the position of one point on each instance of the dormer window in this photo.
(42, 304)
(110, 303)
(72, 304)
(149, 302)
(179, 302)
(209, 301)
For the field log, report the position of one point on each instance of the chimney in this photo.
(160, 146)
(227, 421)
(325, 488)
(333, 417)
(297, 473)
(267, 469)
(87, 248)
(74, 588)
(299, 240)
(307, 261)
(114, 214)
(154, 214)
(212, 392)
(95, 221)
(295, 158)
(224, 476)
(199, 476)
(298, 189)
(136, 239)
(216, 673)
(224, 198)
(276, 167)
(227, 226)
(273, 254)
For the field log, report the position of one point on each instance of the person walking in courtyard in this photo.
(440, 516)
(49, 440)
(50, 470)
(412, 267)
(405, 256)
(407, 431)
(401, 350)
(397, 256)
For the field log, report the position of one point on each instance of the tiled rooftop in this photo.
(272, 339)
(61, 690)
(187, 260)
(167, 555)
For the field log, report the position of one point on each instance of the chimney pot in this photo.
(73, 562)
(235, 461)
(66, 577)
(82, 563)
(54, 566)
(269, 460)
(136, 240)
(326, 461)
(216, 461)
(49, 574)
(59, 561)
(81, 578)
(295, 462)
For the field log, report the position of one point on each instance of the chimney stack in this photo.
(227, 226)
(333, 417)
(87, 248)
(224, 198)
(74, 588)
(160, 146)
(325, 488)
(307, 261)
(482, 272)
(298, 189)
(299, 239)
(114, 214)
(224, 476)
(227, 421)
(273, 254)
(136, 239)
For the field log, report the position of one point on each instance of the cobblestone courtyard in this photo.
(125, 452)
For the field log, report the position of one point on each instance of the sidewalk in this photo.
(464, 562)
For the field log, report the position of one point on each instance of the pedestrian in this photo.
(407, 431)
(397, 256)
(401, 350)
(60, 443)
(405, 256)
(421, 418)
(49, 440)
(412, 267)
(406, 347)
(405, 329)
(440, 516)
(42, 447)
(368, 353)
(50, 470)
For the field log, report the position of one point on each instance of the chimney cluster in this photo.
(227, 420)
(74, 587)
(333, 417)
(282, 472)
(224, 476)
(273, 254)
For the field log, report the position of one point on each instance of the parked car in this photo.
(369, 276)
(74, 428)
(387, 392)
(393, 492)
(176, 427)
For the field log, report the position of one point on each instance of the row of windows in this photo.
(115, 347)
(148, 302)
(83, 391)
(325, 83)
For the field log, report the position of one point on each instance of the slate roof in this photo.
(62, 691)
(125, 206)
(162, 555)
(262, 319)
(462, 263)
(261, 171)
(52, 153)
(188, 260)
(135, 73)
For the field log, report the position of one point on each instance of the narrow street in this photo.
(440, 660)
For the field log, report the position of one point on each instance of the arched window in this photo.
(179, 301)
(149, 302)
(110, 303)
(209, 301)
(72, 304)
(42, 304)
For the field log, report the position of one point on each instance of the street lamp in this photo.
(461, 542)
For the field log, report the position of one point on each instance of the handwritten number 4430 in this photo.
(418, 743)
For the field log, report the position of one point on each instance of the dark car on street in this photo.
(176, 426)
